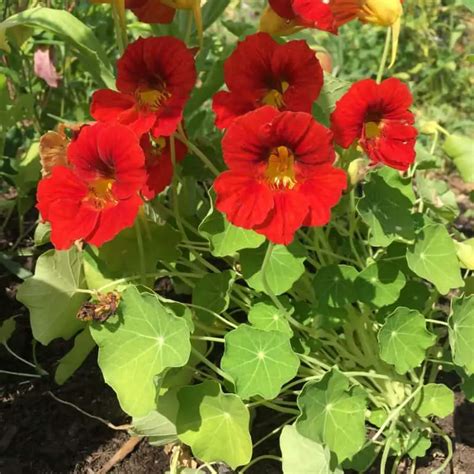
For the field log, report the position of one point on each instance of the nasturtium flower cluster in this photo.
(283, 169)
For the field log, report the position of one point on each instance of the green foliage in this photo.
(433, 257)
(140, 343)
(334, 285)
(7, 328)
(265, 315)
(259, 362)
(157, 428)
(461, 333)
(326, 407)
(459, 149)
(214, 424)
(52, 295)
(434, 399)
(404, 339)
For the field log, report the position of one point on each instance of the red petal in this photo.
(283, 8)
(316, 13)
(289, 211)
(247, 141)
(228, 106)
(152, 11)
(322, 192)
(245, 201)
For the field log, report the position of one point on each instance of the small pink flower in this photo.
(44, 67)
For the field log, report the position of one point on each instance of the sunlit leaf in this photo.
(265, 315)
(403, 339)
(52, 295)
(137, 345)
(214, 424)
(461, 333)
(434, 399)
(433, 257)
(461, 150)
(333, 414)
(260, 362)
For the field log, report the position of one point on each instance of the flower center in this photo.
(274, 97)
(280, 172)
(100, 193)
(372, 130)
(151, 99)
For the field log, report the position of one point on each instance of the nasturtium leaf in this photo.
(137, 345)
(387, 212)
(417, 444)
(461, 333)
(72, 30)
(379, 284)
(465, 253)
(403, 339)
(333, 414)
(362, 460)
(434, 399)
(42, 233)
(265, 315)
(121, 256)
(214, 424)
(334, 285)
(52, 295)
(7, 328)
(468, 388)
(260, 362)
(156, 427)
(460, 149)
(225, 238)
(433, 257)
(394, 179)
(302, 455)
(438, 196)
(213, 292)
(95, 270)
(286, 265)
(83, 345)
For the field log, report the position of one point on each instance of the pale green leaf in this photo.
(465, 253)
(83, 345)
(461, 333)
(260, 362)
(403, 339)
(214, 424)
(333, 414)
(461, 150)
(265, 315)
(156, 427)
(137, 345)
(417, 444)
(225, 238)
(380, 284)
(387, 212)
(52, 295)
(302, 455)
(434, 399)
(433, 257)
(286, 265)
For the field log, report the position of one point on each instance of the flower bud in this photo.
(380, 12)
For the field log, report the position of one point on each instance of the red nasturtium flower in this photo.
(158, 163)
(262, 72)
(377, 116)
(97, 194)
(154, 79)
(281, 173)
(327, 15)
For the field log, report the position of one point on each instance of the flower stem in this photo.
(120, 26)
(383, 61)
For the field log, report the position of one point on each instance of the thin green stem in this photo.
(209, 338)
(20, 374)
(383, 61)
(436, 321)
(212, 366)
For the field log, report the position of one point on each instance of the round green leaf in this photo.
(265, 315)
(260, 362)
(461, 333)
(333, 415)
(225, 238)
(51, 295)
(214, 424)
(285, 266)
(294, 452)
(157, 428)
(139, 344)
(379, 284)
(433, 257)
(386, 209)
(334, 285)
(403, 339)
(434, 399)
(417, 444)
